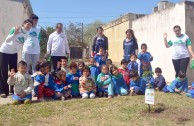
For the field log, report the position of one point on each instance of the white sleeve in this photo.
(30, 87)
(66, 45)
(49, 44)
(11, 81)
(10, 37)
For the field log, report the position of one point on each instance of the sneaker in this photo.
(3, 96)
(63, 98)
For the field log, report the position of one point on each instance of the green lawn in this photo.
(170, 109)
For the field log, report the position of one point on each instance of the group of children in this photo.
(99, 78)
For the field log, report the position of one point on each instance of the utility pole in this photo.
(82, 32)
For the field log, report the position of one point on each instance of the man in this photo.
(57, 45)
(99, 40)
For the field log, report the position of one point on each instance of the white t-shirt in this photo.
(180, 46)
(57, 44)
(31, 45)
(13, 43)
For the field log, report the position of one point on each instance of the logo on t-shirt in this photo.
(33, 33)
(20, 40)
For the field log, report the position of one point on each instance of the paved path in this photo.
(8, 100)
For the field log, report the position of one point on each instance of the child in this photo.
(81, 64)
(144, 57)
(125, 72)
(180, 84)
(86, 84)
(159, 81)
(133, 65)
(137, 84)
(23, 84)
(93, 68)
(63, 90)
(109, 63)
(120, 87)
(100, 58)
(73, 79)
(44, 83)
(104, 83)
(190, 92)
(63, 65)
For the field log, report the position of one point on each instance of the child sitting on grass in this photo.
(119, 86)
(23, 84)
(159, 81)
(179, 85)
(63, 90)
(87, 85)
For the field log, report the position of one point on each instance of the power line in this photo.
(84, 17)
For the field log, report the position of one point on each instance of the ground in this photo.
(169, 109)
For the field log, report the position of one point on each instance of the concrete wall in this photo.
(115, 31)
(12, 13)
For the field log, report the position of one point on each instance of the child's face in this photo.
(101, 51)
(63, 62)
(22, 69)
(105, 70)
(92, 62)
(181, 79)
(47, 69)
(158, 74)
(124, 65)
(115, 72)
(86, 73)
(133, 58)
(73, 70)
(134, 78)
(63, 77)
(80, 67)
(108, 63)
(128, 35)
(144, 49)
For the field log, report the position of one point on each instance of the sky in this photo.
(51, 12)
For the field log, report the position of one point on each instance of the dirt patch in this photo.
(158, 108)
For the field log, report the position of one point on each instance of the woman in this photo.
(31, 48)
(182, 49)
(8, 54)
(130, 45)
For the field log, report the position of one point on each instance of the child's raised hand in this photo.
(16, 31)
(12, 73)
(165, 35)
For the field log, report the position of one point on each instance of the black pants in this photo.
(54, 60)
(6, 60)
(180, 65)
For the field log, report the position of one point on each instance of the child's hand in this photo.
(103, 78)
(12, 73)
(132, 88)
(177, 90)
(69, 86)
(165, 35)
(65, 88)
(16, 31)
(58, 64)
(76, 78)
(97, 64)
(23, 95)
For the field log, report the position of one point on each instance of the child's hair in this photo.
(60, 74)
(64, 58)
(134, 73)
(109, 60)
(143, 45)
(34, 16)
(158, 70)
(81, 63)
(124, 61)
(104, 66)
(72, 65)
(99, 28)
(113, 68)
(146, 66)
(132, 33)
(41, 65)
(28, 21)
(22, 63)
(177, 26)
(133, 55)
(181, 74)
(86, 68)
(92, 58)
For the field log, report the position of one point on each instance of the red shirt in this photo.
(125, 74)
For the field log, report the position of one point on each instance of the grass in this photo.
(169, 109)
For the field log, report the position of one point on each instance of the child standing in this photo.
(93, 68)
(120, 87)
(23, 84)
(63, 90)
(73, 79)
(44, 85)
(133, 65)
(144, 57)
(125, 72)
(104, 82)
(137, 84)
(86, 84)
(159, 81)
(180, 84)
(100, 58)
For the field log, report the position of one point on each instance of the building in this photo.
(13, 13)
(149, 29)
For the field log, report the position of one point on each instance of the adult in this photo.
(130, 45)
(31, 48)
(182, 49)
(99, 40)
(8, 54)
(57, 45)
